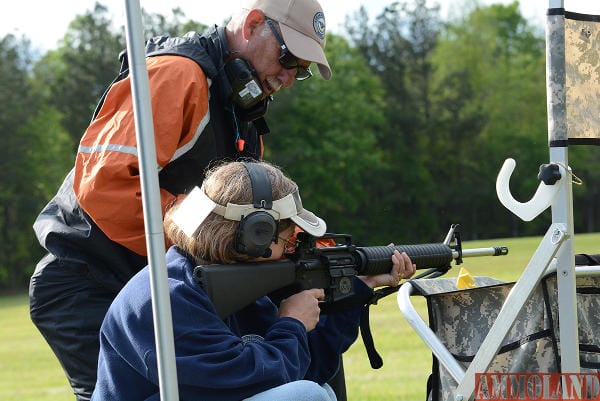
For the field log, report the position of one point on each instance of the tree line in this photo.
(406, 139)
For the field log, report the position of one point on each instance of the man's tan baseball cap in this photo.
(302, 24)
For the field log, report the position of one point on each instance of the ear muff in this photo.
(237, 78)
(248, 97)
(257, 230)
(247, 90)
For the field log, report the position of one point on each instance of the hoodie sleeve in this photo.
(334, 334)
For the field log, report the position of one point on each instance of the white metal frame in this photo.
(144, 129)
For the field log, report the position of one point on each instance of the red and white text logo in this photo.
(537, 386)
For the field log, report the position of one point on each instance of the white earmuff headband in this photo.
(196, 207)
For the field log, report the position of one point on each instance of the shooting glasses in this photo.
(287, 59)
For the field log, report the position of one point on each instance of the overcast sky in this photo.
(44, 22)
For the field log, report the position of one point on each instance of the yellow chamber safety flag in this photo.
(464, 279)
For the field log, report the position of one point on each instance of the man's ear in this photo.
(253, 19)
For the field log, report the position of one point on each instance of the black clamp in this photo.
(549, 174)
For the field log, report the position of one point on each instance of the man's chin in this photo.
(272, 86)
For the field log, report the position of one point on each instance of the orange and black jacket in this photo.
(96, 217)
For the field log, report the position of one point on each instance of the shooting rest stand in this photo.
(556, 251)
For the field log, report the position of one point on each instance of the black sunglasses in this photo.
(287, 59)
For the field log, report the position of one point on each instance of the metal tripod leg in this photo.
(515, 301)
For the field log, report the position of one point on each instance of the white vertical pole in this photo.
(144, 128)
(562, 208)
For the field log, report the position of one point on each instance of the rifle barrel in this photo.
(491, 251)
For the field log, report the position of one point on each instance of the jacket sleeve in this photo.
(107, 183)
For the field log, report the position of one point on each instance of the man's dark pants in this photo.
(67, 305)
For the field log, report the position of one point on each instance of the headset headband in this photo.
(261, 186)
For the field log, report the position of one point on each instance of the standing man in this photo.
(209, 96)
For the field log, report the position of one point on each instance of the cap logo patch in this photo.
(319, 24)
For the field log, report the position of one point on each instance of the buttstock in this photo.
(232, 287)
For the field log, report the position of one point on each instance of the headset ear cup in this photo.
(255, 234)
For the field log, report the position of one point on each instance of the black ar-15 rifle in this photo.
(333, 268)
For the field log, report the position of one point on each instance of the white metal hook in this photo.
(542, 199)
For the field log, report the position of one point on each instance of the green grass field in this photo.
(29, 371)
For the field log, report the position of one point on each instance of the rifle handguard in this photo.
(377, 259)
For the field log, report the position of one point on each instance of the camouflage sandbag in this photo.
(588, 316)
(462, 319)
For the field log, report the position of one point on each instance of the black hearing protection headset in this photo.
(258, 229)
(247, 95)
